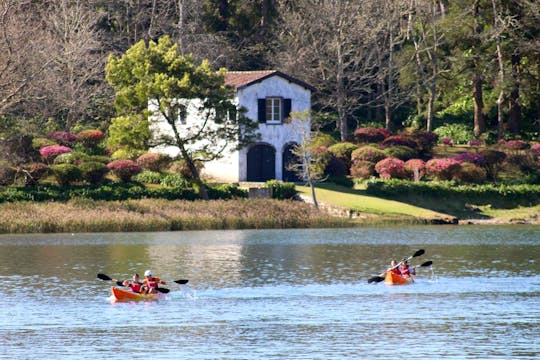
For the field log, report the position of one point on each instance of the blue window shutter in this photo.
(261, 110)
(287, 103)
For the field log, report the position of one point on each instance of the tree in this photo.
(179, 90)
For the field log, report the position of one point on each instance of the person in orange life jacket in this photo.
(406, 270)
(135, 285)
(151, 283)
(394, 268)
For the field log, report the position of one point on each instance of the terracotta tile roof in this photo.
(241, 79)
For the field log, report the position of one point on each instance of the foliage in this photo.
(369, 153)
(63, 138)
(425, 140)
(493, 161)
(343, 151)
(400, 140)
(470, 173)
(93, 172)
(281, 190)
(516, 145)
(457, 133)
(416, 167)
(336, 167)
(129, 134)
(391, 168)
(91, 138)
(401, 152)
(73, 157)
(175, 180)
(226, 192)
(7, 173)
(124, 169)
(471, 158)
(181, 168)
(322, 139)
(149, 177)
(66, 174)
(32, 173)
(363, 169)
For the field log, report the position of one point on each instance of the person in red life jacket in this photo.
(394, 267)
(406, 270)
(151, 283)
(135, 285)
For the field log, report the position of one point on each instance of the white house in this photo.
(269, 97)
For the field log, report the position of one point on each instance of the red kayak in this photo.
(119, 294)
(395, 279)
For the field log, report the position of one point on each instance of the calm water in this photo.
(299, 294)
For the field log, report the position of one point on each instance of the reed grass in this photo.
(83, 215)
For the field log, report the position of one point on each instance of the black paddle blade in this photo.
(375, 279)
(103, 277)
(427, 263)
(181, 281)
(419, 252)
(163, 290)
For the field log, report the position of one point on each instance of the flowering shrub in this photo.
(474, 143)
(536, 149)
(416, 168)
(63, 138)
(371, 135)
(124, 169)
(425, 140)
(391, 168)
(470, 173)
(442, 169)
(91, 138)
(49, 153)
(476, 159)
(516, 145)
(362, 169)
(402, 140)
(447, 141)
(368, 153)
(153, 161)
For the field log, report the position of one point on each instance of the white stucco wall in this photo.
(233, 166)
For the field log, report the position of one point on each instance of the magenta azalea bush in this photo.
(91, 138)
(63, 138)
(474, 143)
(447, 141)
(49, 153)
(536, 149)
(476, 159)
(442, 169)
(390, 168)
(371, 135)
(153, 161)
(516, 145)
(124, 169)
(415, 167)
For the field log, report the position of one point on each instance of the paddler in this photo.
(151, 283)
(135, 285)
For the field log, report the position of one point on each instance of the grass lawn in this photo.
(355, 200)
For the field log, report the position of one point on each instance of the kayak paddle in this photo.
(119, 283)
(107, 278)
(377, 279)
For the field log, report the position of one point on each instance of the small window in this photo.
(273, 110)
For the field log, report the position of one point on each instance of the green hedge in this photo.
(496, 195)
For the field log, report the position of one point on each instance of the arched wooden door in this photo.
(289, 158)
(261, 163)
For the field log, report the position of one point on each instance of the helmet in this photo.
(148, 273)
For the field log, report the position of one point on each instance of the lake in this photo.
(275, 294)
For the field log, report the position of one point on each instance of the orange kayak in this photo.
(394, 279)
(128, 295)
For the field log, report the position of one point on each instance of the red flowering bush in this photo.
(91, 138)
(536, 149)
(49, 153)
(63, 138)
(416, 168)
(425, 140)
(371, 135)
(516, 145)
(390, 168)
(124, 169)
(476, 159)
(443, 169)
(153, 161)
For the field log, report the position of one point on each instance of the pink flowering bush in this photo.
(153, 161)
(124, 169)
(476, 159)
(91, 138)
(516, 145)
(475, 143)
(447, 141)
(371, 135)
(390, 168)
(49, 153)
(535, 149)
(443, 168)
(63, 138)
(416, 168)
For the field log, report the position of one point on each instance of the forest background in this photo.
(386, 63)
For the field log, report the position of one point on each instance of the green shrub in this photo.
(93, 172)
(493, 161)
(226, 191)
(175, 180)
(322, 139)
(458, 133)
(343, 151)
(154, 161)
(470, 173)
(74, 158)
(149, 177)
(401, 152)
(281, 190)
(336, 167)
(32, 173)
(7, 173)
(66, 174)
(181, 168)
(341, 180)
(369, 153)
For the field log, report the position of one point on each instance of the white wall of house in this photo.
(233, 166)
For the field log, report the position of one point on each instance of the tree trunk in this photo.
(500, 128)
(515, 107)
(479, 121)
